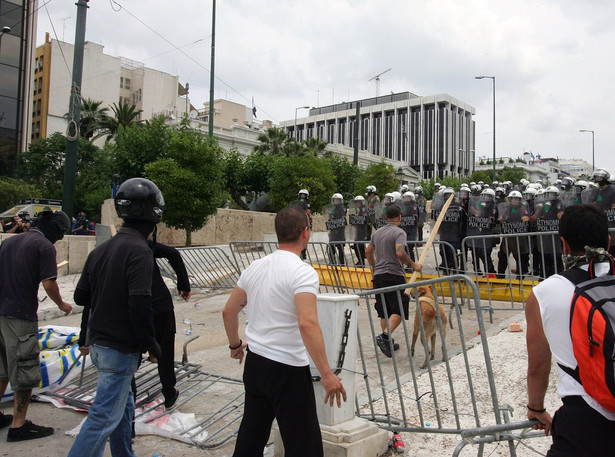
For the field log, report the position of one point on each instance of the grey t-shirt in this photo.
(384, 241)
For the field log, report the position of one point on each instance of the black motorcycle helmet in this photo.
(139, 199)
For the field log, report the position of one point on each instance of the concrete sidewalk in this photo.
(204, 314)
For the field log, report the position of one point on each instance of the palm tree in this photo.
(315, 145)
(124, 115)
(272, 142)
(92, 117)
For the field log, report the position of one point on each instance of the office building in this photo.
(17, 44)
(432, 135)
(106, 78)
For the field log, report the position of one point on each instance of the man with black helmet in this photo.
(115, 290)
(26, 260)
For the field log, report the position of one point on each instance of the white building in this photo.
(105, 78)
(433, 135)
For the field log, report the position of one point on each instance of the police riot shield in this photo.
(589, 195)
(358, 213)
(605, 200)
(409, 220)
(481, 217)
(547, 220)
(371, 201)
(335, 217)
(379, 215)
(450, 228)
(569, 197)
(514, 219)
(437, 202)
(420, 205)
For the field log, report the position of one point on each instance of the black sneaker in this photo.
(170, 401)
(5, 420)
(383, 344)
(28, 431)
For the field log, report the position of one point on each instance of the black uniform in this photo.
(115, 288)
(164, 315)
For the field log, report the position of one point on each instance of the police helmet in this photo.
(409, 196)
(337, 196)
(404, 188)
(390, 197)
(567, 182)
(581, 185)
(396, 195)
(499, 189)
(305, 192)
(418, 190)
(515, 194)
(139, 199)
(600, 176)
(529, 193)
(448, 191)
(487, 194)
(359, 198)
(551, 192)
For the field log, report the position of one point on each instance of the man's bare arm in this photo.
(539, 364)
(402, 255)
(230, 315)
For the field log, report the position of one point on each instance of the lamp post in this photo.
(592, 132)
(295, 127)
(5, 29)
(399, 174)
(493, 79)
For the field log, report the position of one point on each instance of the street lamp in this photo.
(5, 29)
(592, 132)
(399, 174)
(492, 78)
(295, 127)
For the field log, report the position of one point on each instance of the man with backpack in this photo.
(568, 317)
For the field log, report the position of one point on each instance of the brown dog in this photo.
(430, 322)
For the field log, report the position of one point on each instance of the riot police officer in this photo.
(422, 213)
(482, 214)
(514, 219)
(359, 219)
(409, 220)
(336, 225)
(547, 215)
(603, 196)
(372, 198)
(450, 233)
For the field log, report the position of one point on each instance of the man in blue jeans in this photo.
(115, 290)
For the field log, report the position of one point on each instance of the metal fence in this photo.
(423, 393)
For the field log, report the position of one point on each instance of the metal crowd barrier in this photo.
(209, 267)
(443, 397)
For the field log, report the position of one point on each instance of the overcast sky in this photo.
(553, 74)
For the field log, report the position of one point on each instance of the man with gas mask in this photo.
(117, 326)
(26, 260)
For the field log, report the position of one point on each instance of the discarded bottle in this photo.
(398, 443)
(197, 305)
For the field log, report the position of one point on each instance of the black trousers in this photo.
(164, 328)
(283, 392)
(578, 430)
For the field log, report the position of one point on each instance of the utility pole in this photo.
(74, 111)
(211, 70)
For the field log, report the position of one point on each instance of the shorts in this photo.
(391, 298)
(19, 363)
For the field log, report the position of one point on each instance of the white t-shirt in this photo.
(271, 284)
(554, 296)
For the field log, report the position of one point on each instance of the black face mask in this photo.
(52, 225)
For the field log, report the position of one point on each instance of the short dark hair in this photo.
(584, 225)
(393, 211)
(289, 222)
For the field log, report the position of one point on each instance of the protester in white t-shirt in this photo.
(580, 427)
(279, 293)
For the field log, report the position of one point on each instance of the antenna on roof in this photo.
(377, 78)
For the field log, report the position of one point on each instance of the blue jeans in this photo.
(113, 409)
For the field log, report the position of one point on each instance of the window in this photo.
(39, 104)
(40, 62)
(127, 84)
(40, 85)
(121, 85)
(35, 85)
(35, 64)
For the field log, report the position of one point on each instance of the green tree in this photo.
(272, 142)
(381, 175)
(190, 177)
(346, 174)
(289, 174)
(234, 171)
(12, 190)
(315, 146)
(512, 174)
(136, 146)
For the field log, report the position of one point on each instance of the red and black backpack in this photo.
(592, 329)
